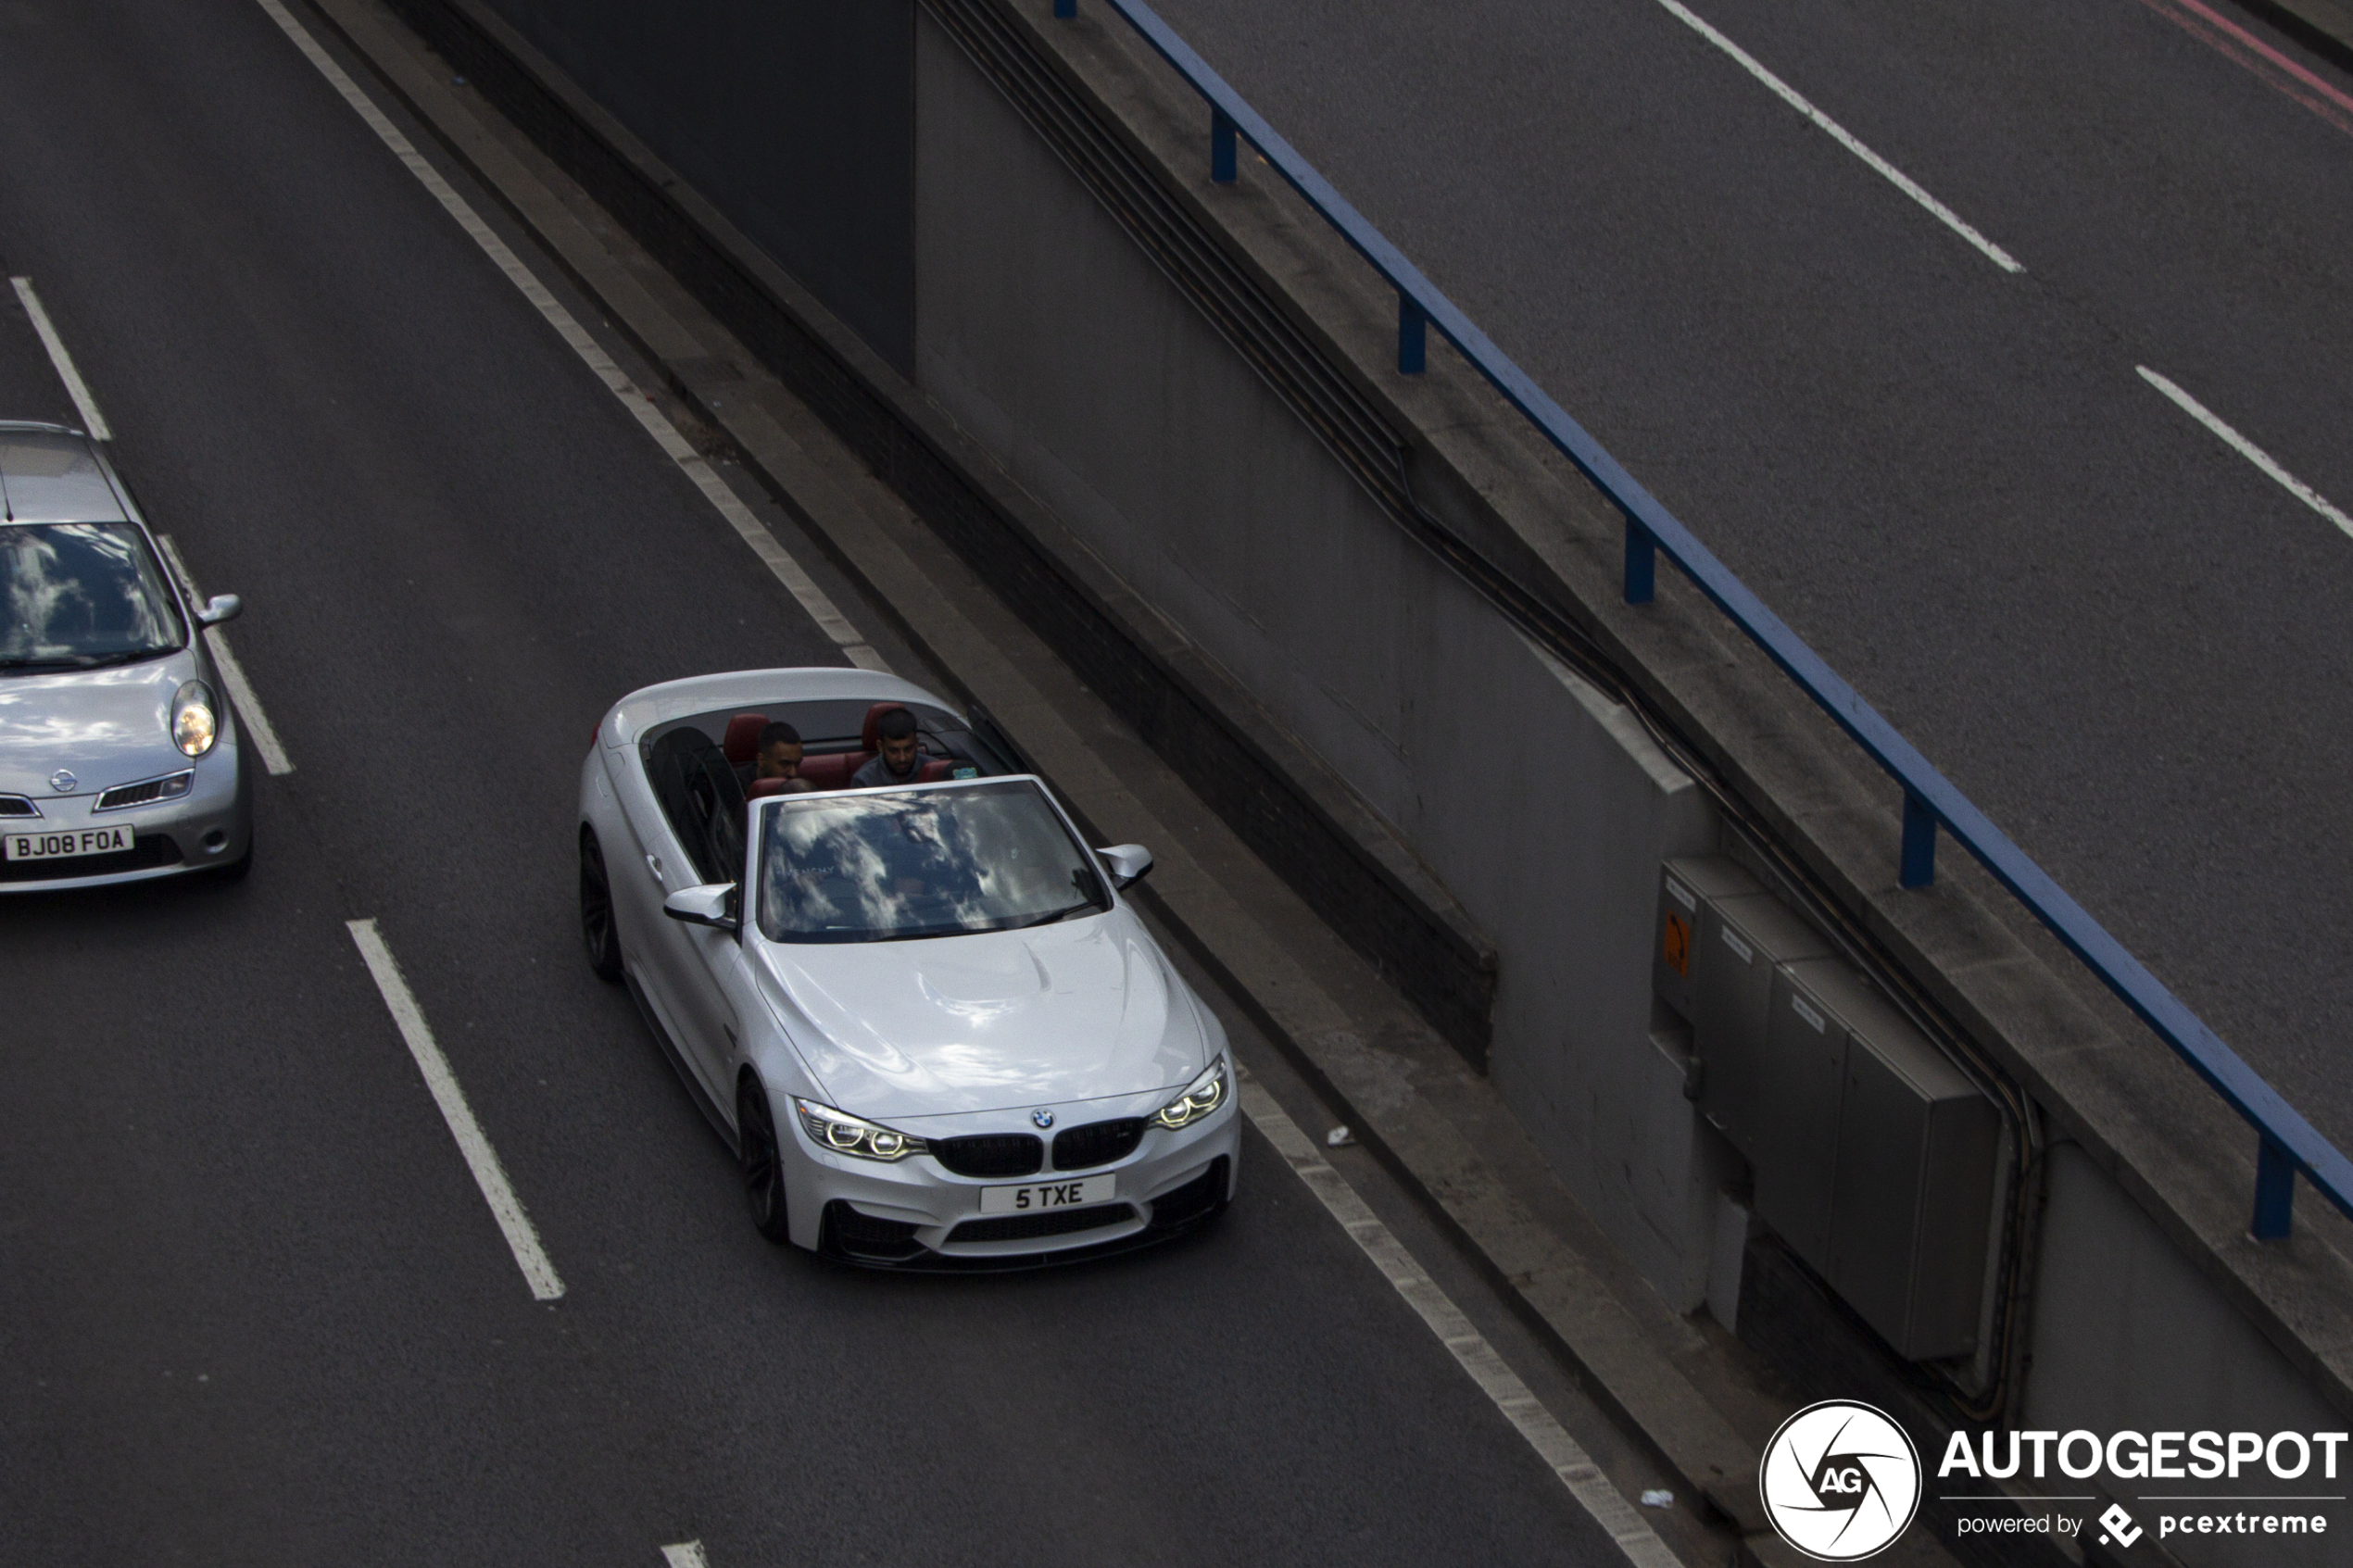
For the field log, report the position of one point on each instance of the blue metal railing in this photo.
(2288, 1143)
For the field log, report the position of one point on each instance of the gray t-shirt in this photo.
(876, 773)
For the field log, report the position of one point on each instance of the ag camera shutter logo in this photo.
(1840, 1481)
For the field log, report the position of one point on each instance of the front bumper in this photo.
(211, 825)
(917, 1215)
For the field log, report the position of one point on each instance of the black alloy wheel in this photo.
(597, 929)
(763, 1168)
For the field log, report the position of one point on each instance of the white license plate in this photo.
(1038, 1195)
(72, 840)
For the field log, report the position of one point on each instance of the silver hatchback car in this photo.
(119, 757)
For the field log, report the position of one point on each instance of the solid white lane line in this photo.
(686, 1554)
(92, 421)
(481, 1158)
(2248, 450)
(1551, 1442)
(233, 674)
(787, 571)
(1839, 133)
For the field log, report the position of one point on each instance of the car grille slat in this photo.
(148, 851)
(1097, 1143)
(1027, 1227)
(991, 1154)
(17, 806)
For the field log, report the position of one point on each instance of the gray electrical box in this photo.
(1740, 943)
(1683, 886)
(1795, 1111)
(1875, 1159)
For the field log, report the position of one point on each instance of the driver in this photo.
(900, 760)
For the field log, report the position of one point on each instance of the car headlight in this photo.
(1208, 1092)
(847, 1134)
(195, 724)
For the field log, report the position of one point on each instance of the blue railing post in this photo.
(2275, 1190)
(1919, 842)
(1221, 146)
(1412, 337)
(1641, 563)
(1065, 7)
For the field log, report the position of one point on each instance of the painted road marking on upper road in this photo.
(2241, 47)
(481, 1158)
(686, 1554)
(1551, 1442)
(233, 674)
(1839, 133)
(92, 421)
(763, 543)
(2248, 450)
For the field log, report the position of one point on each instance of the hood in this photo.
(955, 1024)
(105, 726)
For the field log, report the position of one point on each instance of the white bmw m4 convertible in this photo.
(918, 1008)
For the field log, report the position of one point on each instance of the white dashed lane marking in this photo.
(2248, 450)
(1840, 134)
(92, 421)
(481, 1158)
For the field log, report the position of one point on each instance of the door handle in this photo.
(653, 864)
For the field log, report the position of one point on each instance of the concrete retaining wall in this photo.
(795, 118)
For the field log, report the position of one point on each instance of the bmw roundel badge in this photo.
(1043, 1118)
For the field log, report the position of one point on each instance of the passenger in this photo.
(900, 760)
(779, 758)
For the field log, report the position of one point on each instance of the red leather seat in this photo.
(870, 734)
(830, 769)
(759, 787)
(742, 744)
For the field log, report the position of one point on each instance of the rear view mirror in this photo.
(1129, 863)
(220, 607)
(712, 905)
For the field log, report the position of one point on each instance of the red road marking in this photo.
(2226, 37)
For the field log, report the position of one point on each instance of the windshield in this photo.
(936, 862)
(77, 594)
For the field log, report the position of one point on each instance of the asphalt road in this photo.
(2115, 633)
(253, 1308)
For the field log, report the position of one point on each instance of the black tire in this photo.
(763, 1170)
(598, 931)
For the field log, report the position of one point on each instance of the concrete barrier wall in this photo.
(795, 118)
(1044, 331)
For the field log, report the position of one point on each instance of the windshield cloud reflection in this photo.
(872, 868)
(78, 593)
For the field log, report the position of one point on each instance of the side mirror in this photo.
(712, 905)
(220, 607)
(1128, 863)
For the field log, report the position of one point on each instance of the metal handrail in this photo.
(2288, 1143)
